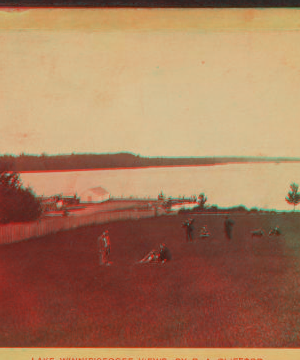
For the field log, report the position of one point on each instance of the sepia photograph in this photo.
(149, 184)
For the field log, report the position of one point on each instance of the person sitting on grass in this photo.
(275, 231)
(204, 232)
(157, 256)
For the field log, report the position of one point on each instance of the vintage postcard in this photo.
(150, 163)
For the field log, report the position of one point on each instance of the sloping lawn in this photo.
(214, 293)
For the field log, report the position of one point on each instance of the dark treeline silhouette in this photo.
(18, 204)
(45, 162)
(241, 209)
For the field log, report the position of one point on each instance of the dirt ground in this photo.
(213, 293)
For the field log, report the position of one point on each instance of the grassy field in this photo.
(214, 293)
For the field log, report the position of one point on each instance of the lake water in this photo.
(253, 185)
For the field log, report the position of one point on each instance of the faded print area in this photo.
(160, 88)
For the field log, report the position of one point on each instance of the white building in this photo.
(94, 195)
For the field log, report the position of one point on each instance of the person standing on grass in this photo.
(188, 225)
(104, 248)
(228, 227)
(191, 228)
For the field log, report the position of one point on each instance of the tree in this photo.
(161, 196)
(18, 204)
(201, 201)
(293, 197)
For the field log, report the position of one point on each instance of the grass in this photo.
(214, 293)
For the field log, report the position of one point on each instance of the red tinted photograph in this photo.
(149, 182)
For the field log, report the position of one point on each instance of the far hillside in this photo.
(44, 162)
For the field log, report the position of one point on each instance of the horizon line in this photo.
(292, 158)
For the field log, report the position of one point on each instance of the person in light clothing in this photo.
(204, 233)
(104, 248)
(160, 256)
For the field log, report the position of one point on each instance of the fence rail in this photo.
(11, 233)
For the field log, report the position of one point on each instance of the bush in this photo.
(167, 204)
(184, 211)
(18, 204)
(240, 208)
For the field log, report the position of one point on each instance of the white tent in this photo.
(94, 195)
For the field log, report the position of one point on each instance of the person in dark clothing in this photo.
(275, 231)
(188, 225)
(164, 254)
(228, 227)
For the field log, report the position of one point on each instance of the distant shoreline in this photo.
(82, 162)
(157, 166)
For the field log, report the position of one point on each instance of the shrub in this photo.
(18, 204)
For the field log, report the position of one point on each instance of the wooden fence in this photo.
(11, 233)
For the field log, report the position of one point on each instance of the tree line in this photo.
(44, 162)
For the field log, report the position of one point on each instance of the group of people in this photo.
(189, 228)
(160, 255)
(163, 254)
(228, 226)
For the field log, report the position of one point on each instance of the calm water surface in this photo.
(253, 185)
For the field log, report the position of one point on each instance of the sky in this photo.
(151, 83)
